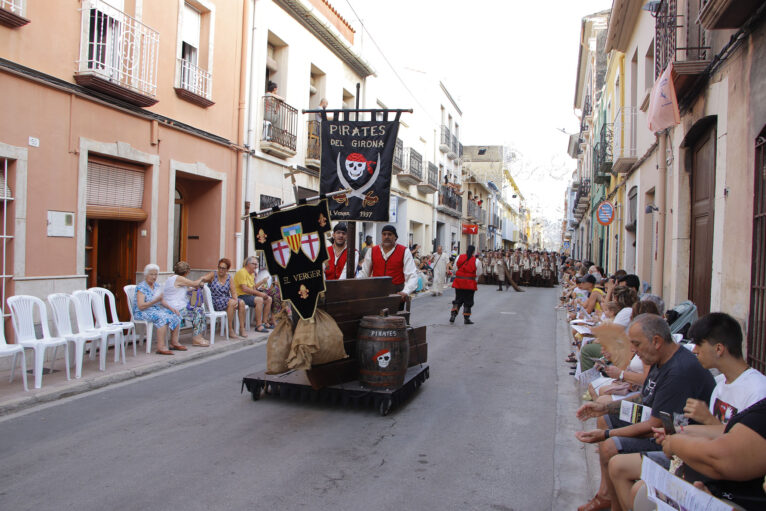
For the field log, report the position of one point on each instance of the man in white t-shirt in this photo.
(718, 344)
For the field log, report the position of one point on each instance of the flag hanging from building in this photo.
(663, 105)
(358, 155)
(293, 243)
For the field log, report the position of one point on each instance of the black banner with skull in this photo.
(293, 243)
(358, 155)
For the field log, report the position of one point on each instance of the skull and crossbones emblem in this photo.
(383, 358)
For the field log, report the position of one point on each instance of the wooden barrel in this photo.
(383, 351)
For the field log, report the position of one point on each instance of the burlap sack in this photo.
(304, 345)
(330, 339)
(278, 345)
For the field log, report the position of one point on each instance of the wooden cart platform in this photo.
(295, 385)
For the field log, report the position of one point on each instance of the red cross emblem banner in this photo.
(293, 243)
(358, 155)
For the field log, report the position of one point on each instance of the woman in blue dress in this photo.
(150, 306)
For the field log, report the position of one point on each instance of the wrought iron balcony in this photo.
(582, 198)
(194, 83)
(692, 55)
(449, 202)
(600, 176)
(12, 13)
(452, 151)
(398, 163)
(118, 54)
(279, 134)
(313, 145)
(587, 109)
(412, 173)
(476, 213)
(624, 139)
(445, 139)
(431, 183)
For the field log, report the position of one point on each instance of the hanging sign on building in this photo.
(470, 229)
(605, 213)
(293, 243)
(358, 155)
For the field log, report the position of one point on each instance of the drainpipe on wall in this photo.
(241, 109)
(249, 134)
(659, 260)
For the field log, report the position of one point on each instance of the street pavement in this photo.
(481, 433)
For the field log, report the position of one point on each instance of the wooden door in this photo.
(116, 259)
(702, 216)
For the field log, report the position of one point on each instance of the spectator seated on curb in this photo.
(718, 344)
(675, 376)
(621, 384)
(625, 297)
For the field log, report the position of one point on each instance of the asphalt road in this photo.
(479, 434)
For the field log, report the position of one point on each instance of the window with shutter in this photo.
(114, 192)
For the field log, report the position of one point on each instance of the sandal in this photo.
(164, 352)
(262, 329)
(178, 347)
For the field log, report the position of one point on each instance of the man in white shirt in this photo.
(393, 260)
(439, 265)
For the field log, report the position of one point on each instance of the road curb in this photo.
(574, 475)
(83, 385)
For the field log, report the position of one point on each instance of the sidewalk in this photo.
(13, 398)
(577, 473)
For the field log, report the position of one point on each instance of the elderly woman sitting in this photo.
(224, 297)
(178, 291)
(150, 306)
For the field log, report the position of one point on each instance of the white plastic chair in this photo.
(23, 318)
(99, 311)
(213, 315)
(130, 292)
(83, 306)
(105, 294)
(59, 303)
(14, 350)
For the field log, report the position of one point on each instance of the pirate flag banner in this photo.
(358, 155)
(293, 242)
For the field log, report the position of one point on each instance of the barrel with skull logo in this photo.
(383, 351)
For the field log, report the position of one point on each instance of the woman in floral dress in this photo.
(223, 293)
(150, 306)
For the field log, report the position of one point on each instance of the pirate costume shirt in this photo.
(336, 263)
(401, 268)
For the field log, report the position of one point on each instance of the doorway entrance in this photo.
(111, 258)
(702, 213)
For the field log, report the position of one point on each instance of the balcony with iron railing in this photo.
(624, 139)
(582, 199)
(279, 133)
(431, 182)
(450, 202)
(453, 150)
(398, 161)
(602, 155)
(445, 139)
(682, 40)
(313, 145)
(12, 13)
(194, 83)
(412, 173)
(476, 213)
(118, 54)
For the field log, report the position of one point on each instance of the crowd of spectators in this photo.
(690, 404)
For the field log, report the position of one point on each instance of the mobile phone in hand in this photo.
(667, 423)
